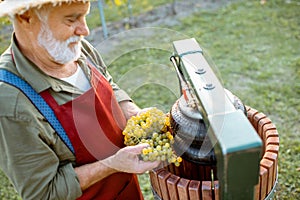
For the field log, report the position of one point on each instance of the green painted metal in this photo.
(237, 146)
(238, 154)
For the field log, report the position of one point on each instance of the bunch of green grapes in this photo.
(152, 127)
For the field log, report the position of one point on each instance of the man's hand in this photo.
(129, 109)
(127, 160)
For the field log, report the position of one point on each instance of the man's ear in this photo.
(23, 18)
(27, 19)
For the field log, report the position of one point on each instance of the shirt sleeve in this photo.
(93, 54)
(35, 159)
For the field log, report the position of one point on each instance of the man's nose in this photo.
(82, 29)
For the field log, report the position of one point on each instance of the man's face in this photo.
(61, 51)
(62, 31)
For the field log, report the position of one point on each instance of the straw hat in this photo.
(12, 7)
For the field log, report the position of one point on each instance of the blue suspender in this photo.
(38, 102)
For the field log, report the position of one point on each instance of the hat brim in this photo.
(12, 7)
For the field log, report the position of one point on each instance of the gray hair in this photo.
(42, 13)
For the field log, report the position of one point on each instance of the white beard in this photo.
(60, 52)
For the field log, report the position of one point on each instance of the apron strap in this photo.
(38, 102)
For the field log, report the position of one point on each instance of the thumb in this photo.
(137, 149)
(146, 166)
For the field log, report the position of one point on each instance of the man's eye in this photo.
(71, 20)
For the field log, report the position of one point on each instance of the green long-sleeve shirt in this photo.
(34, 158)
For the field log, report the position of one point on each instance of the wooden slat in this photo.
(187, 169)
(268, 127)
(162, 181)
(257, 118)
(154, 180)
(268, 134)
(274, 158)
(201, 173)
(272, 140)
(272, 148)
(172, 186)
(269, 165)
(208, 173)
(217, 189)
(179, 170)
(261, 124)
(250, 115)
(263, 176)
(194, 190)
(176, 170)
(271, 133)
(195, 172)
(206, 190)
(171, 168)
(257, 191)
(182, 188)
(247, 108)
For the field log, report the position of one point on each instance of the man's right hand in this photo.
(127, 160)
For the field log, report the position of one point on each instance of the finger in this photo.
(137, 149)
(144, 110)
(146, 166)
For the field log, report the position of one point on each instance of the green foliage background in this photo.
(256, 49)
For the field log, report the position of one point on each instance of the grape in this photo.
(152, 127)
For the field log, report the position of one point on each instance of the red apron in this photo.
(94, 123)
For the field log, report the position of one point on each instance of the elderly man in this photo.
(50, 68)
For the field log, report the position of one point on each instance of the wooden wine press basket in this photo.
(246, 147)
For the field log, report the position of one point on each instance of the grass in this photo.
(115, 13)
(256, 50)
(4, 35)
